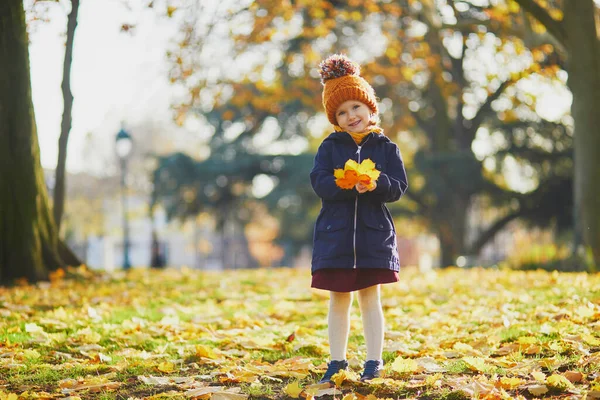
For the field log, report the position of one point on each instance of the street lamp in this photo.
(123, 147)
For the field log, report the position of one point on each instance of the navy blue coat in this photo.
(356, 230)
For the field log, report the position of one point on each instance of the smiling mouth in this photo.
(355, 123)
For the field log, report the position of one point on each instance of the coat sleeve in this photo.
(322, 179)
(393, 184)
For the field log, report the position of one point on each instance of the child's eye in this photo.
(356, 106)
(341, 112)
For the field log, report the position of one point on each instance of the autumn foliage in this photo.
(353, 173)
(262, 334)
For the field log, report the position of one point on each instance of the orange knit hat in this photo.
(341, 82)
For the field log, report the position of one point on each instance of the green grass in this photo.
(150, 323)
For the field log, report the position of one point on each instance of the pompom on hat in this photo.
(342, 82)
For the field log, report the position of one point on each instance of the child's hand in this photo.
(362, 188)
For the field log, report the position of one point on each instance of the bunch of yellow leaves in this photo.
(353, 173)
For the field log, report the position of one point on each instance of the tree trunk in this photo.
(60, 184)
(451, 229)
(584, 82)
(29, 245)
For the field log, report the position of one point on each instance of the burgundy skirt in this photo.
(349, 280)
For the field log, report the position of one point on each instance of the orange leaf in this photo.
(348, 181)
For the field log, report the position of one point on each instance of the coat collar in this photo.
(343, 137)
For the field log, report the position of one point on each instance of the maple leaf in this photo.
(537, 390)
(510, 383)
(166, 367)
(293, 389)
(405, 365)
(345, 179)
(343, 375)
(205, 351)
(559, 382)
(353, 173)
(476, 363)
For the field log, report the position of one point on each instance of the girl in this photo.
(354, 239)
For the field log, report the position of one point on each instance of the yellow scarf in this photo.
(358, 137)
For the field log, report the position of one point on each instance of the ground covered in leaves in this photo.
(262, 334)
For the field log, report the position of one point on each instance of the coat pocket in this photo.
(332, 224)
(332, 235)
(380, 236)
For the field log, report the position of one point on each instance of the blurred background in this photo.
(195, 123)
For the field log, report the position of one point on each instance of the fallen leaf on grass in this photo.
(197, 392)
(539, 376)
(94, 388)
(228, 396)
(217, 393)
(428, 364)
(476, 363)
(559, 382)
(293, 389)
(537, 390)
(165, 380)
(205, 351)
(344, 375)
(166, 367)
(511, 383)
(405, 365)
(328, 392)
(573, 376)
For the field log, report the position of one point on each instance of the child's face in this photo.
(353, 116)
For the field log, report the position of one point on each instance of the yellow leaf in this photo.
(537, 390)
(366, 165)
(559, 382)
(32, 354)
(312, 390)
(591, 340)
(476, 363)
(293, 389)
(527, 340)
(405, 365)
(205, 351)
(459, 346)
(349, 396)
(166, 367)
(343, 375)
(511, 383)
(338, 173)
(171, 10)
(351, 165)
(538, 376)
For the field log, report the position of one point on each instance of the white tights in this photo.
(339, 322)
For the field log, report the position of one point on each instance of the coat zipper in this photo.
(356, 206)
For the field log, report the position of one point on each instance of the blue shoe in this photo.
(333, 368)
(372, 370)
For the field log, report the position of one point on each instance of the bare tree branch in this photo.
(475, 123)
(496, 227)
(556, 28)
